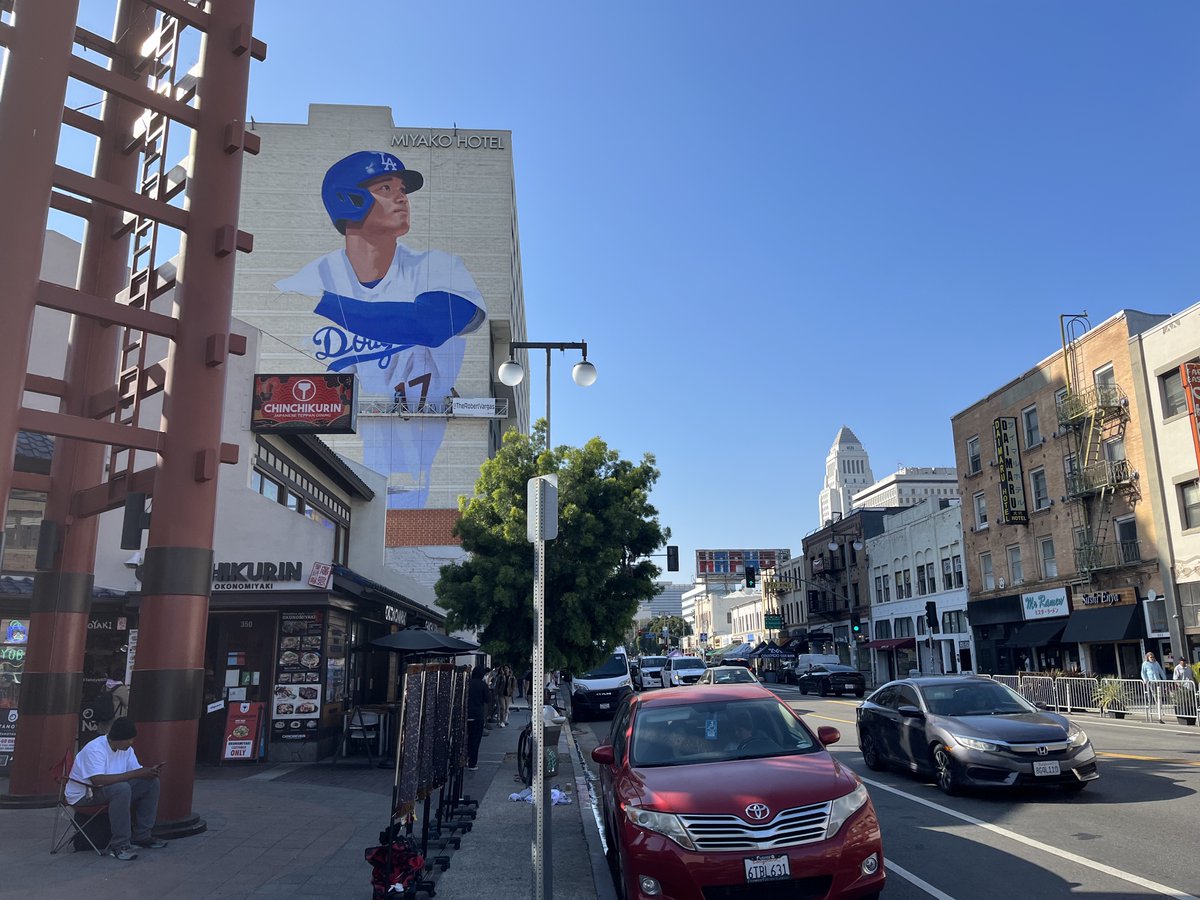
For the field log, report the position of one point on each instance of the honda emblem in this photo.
(1042, 751)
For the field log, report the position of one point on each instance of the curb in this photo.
(601, 873)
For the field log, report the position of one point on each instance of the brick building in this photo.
(1060, 543)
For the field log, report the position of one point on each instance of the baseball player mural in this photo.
(393, 316)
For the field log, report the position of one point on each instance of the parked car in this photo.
(597, 693)
(683, 670)
(712, 790)
(972, 732)
(727, 675)
(650, 672)
(830, 678)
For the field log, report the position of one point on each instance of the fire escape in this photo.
(1094, 417)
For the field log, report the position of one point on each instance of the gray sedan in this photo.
(972, 732)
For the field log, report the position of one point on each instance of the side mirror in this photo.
(827, 735)
(603, 755)
(910, 712)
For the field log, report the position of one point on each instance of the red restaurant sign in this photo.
(307, 404)
(241, 731)
(1191, 388)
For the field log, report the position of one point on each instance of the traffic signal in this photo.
(672, 558)
(931, 616)
(855, 624)
(751, 576)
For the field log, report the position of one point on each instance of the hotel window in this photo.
(947, 576)
(1173, 397)
(920, 626)
(931, 577)
(887, 590)
(985, 571)
(1041, 492)
(1049, 563)
(981, 521)
(974, 461)
(1127, 539)
(1014, 564)
(907, 584)
(958, 575)
(903, 628)
(922, 588)
(1189, 504)
(883, 629)
(1033, 433)
(954, 621)
(878, 588)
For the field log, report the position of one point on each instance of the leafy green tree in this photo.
(596, 569)
(676, 627)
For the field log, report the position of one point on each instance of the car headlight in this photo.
(1076, 736)
(625, 682)
(975, 744)
(844, 807)
(577, 688)
(665, 824)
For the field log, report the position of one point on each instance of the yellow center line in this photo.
(1165, 759)
(827, 718)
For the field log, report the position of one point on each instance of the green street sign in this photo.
(773, 621)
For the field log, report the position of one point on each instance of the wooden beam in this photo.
(56, 296)
(182, 11)
(111, 495)
(31, 481)
(42, 384)
(89, 430)
(134, 91)
(121, 198)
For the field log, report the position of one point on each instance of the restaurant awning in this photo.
(906, 643)
(1037, 633)
(1108, 623)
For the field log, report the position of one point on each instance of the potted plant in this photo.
(1107, 696)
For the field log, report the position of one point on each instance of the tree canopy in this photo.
(597, 568)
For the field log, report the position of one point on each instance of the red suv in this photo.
(711, 791)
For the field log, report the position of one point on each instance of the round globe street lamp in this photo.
(511, 373)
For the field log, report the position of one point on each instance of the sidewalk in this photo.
(300, 831)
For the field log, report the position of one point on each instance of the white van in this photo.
(599, 691)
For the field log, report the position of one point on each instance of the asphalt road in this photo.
(1130, 834)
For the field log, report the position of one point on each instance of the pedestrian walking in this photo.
(478, 697)
(1153, 676)
(1183, 672)
(505, 686)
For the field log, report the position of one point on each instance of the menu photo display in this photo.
(296, 699)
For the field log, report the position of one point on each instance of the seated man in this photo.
(741, 731)
(110, 767)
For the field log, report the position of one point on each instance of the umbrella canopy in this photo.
(770, 652)
(421, 640)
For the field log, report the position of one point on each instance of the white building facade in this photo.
(917, 560)
(909, 486)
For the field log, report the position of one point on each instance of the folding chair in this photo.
(67, 822)
(362, 725)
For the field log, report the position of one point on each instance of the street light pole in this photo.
(542, 521)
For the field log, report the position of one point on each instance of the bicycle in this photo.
(525, 742)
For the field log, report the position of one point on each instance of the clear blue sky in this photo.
(773, 219)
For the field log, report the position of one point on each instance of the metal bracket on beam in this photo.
(244, 41)
(230, 238)
(238, 138)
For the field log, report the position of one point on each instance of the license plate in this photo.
(767, 868)
(1046, 768)
(605, 706)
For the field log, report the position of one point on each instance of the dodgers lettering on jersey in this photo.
(406, 328)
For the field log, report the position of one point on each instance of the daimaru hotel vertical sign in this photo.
(1012, 480)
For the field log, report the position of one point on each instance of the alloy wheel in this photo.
(947, 775)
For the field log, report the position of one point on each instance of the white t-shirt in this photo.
(98, 758)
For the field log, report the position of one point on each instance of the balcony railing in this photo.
(1099, 476)
(1093, 557)
(1076, 406)
(828, 609)
(449, 408)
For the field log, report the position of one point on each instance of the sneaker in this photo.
(152, 844)
(122, 853)
(473, 768)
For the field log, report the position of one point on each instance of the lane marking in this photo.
(1036, 845)
(919, 882)
(1163, 759)
(828, 718)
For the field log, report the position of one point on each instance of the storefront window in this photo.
(335, 659)
(25, 511)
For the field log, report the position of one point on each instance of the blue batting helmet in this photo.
(342, 191)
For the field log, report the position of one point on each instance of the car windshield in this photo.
(653, 662)
(686, 662)
(611, 669)
(983, 698)
(832, 667)
(686, 734)
(732, 676)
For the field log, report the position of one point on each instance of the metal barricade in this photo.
(1011, 681)
(1134, 697)
(1178, 699)
(1075, 694)
(1037, 689)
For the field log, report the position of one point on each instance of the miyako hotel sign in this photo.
(1045, 604)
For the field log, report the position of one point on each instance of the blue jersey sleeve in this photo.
(428, 321)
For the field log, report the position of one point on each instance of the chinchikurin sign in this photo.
(305, 404)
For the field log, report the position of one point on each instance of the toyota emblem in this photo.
(1042, 751)
(758, 811)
